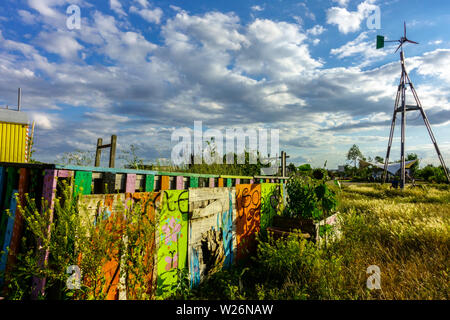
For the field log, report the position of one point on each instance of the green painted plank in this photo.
(193, 182)
(83, 179)
(271, 202)
(172, 240)
(149, 183)
(229, 183)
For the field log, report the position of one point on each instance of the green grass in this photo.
(405, 233)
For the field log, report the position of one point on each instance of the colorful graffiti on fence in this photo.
(220, 223)
(114, 208)
(248, 210)
(172, 239)
(210, 231)
(271, 202)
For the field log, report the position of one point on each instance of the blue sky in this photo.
(141, 69)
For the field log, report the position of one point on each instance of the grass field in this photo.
(405, 233)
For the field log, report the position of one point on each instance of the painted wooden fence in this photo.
(204, 222)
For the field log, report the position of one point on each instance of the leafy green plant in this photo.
(309, 199)
(77, 238)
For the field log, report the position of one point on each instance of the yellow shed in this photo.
(14, 127)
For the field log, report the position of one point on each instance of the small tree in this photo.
(292, 168)
(379, 159)
(131, 158)
(354, 154)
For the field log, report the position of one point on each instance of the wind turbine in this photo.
(402, 107)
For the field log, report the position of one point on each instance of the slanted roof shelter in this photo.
(392, 168)
(14, 129)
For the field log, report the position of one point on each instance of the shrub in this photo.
(75, 238)
(309, 199)
(298, 269)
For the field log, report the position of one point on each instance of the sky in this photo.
(141, 69)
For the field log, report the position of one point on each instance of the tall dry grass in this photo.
(405, 233)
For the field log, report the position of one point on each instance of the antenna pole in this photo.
(19, 98)
(403, 110)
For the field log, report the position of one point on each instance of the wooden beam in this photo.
(112, 153)
(98, 152)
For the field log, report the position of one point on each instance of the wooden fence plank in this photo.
(248, 207)
(210, 231)
(130, 183)
(165, 183)
(193, 182)
(149, 182)
(271, 202)
(11, 183)
(65, 174)
(172, 239)
(83, 182)
(8, 234)
(48, 193)
(18, 221)
(180, 182)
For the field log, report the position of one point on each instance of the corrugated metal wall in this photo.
(13, 141)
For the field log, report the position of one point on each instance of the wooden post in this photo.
(112, 154)
(112, 151)
(18, 220)
(180, 182)
(98, 153)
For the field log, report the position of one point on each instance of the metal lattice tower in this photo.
(401, 107)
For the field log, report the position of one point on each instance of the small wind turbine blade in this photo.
(398, 47)
(404, 24)
(412, 41)
(380, 42)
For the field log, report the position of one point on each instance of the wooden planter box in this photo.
(283, 227)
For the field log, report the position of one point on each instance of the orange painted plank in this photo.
(165, 182)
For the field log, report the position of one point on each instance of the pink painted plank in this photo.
(211, 182)
(180, 182)
(131, 183)
(65, 173)
(238, 181)
(252, 181)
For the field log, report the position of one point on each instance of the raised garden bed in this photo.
(304, 228)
